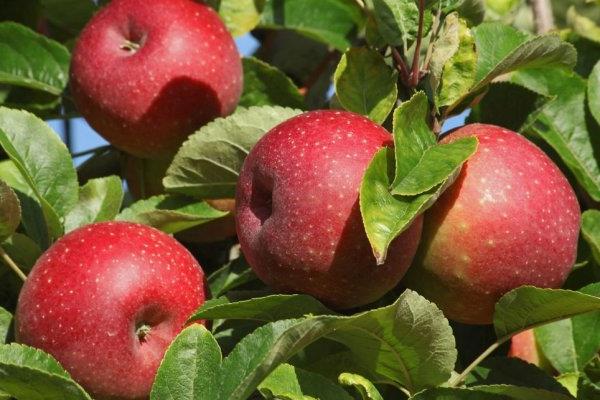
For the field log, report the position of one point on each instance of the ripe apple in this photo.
(106, 300)
(510, 219)
(144, 179)
(524, 346)
(147, 74)
(298, 216)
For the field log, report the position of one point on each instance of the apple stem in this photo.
(415, 74)
(130, 46)
(6, 258)
(461, 377)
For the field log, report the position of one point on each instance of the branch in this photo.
(542, 14)
(400, 66)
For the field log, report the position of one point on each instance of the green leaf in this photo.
(365, 84)
(561, 121)
(240, 16)
(69, 15)
(189, 368)
(502, 49)
(490, 392)
(292, 383)
(412, 135)
(570, 381)
(29, 374)
(333, 22)
(556, 342)
(32, 60)
(571, 344)
(10, 211)
(363, 386)
(99, 200)
(256, 355)
(22, 250)
(583, 26)
(269, 308)
(235, 273)
(408, 342)
(593, 92)
(265, 85)
(512, 371)
(5, 321)
(170, 213)
(458, 72)
(386, 216)
(398, 20)
(590, 230)
(435, 166)
(527, 307)
(207, 165)
(44, 161)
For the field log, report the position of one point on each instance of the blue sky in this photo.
(83, 137)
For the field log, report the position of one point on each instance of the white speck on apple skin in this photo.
(91, 331)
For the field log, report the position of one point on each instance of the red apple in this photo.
(298, 216)
(147, 74)
(523, 345)
(510, 219)
(106, 300)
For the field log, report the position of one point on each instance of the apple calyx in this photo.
(142, 331)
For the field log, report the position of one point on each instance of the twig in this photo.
(401, 66)
(6, 258)
(95, 150)
(459, 378)
(542, 13)
(415, 72)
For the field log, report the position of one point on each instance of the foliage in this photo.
(407, 65)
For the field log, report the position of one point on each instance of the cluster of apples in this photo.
(107, 299)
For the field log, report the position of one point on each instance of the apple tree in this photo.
(301, 221)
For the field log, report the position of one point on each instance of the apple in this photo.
(144, 179)
(297, 210)
(510, 219)
(106, 300)
(524, 346)
(147, 74)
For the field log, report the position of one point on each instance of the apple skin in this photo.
(510, 219)
(298, 216)
(524, 346)
(151, 172)
(87, 295)
(146, 101)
